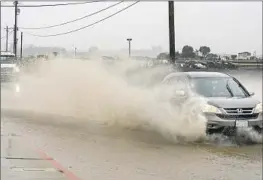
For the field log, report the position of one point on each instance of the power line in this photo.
(52, 5)
(4, 27)
(8, 34)
(84, 27)
(78, 19)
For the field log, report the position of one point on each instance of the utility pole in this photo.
(129, 40)
(21, 46)
(171, 31)
(6, 43)
(0, 27)
(15, 29)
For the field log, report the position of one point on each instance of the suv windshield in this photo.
(218, 87)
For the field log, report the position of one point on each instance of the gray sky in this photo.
(227, 27)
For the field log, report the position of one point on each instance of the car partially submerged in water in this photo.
(228, 105)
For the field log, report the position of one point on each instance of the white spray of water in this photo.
(111, 94)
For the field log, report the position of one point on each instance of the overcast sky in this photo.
(227, 27)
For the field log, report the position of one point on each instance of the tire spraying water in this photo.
(94, 91)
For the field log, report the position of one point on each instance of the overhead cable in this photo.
(52, 5)
(84, 27)
(8, 34)
(78, 19)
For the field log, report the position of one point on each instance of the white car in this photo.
(9, 67)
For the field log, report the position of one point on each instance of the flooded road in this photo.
(103, 153)
(94, 150)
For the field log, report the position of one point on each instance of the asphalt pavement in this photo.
(20, 160)
(97, 153)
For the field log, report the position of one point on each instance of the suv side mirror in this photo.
(251, 93)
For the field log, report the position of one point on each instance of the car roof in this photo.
(196, 74)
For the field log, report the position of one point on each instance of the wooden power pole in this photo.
(0, 27)
(15, 29)
(171, 31)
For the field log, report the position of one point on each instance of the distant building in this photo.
(244, 55)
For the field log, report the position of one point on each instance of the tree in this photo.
(166, 56)
(212, 57)
(233, 57)
(204, 50)
(163, 56)
(177, 54)
(188, 52)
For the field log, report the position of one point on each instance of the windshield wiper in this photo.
(229, 89)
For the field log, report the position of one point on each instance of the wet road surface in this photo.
(90, 154)
(22, 161)
(95, 151)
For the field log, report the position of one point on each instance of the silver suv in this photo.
(228, 103)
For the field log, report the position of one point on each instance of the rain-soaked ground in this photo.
(103, 153)
(96, 151)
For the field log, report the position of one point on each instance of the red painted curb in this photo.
(58, 166)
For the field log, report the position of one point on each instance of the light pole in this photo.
(129, 41)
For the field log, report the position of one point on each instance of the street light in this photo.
(129, 40)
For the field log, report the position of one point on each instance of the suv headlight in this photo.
(258, 108)
(207, 108)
